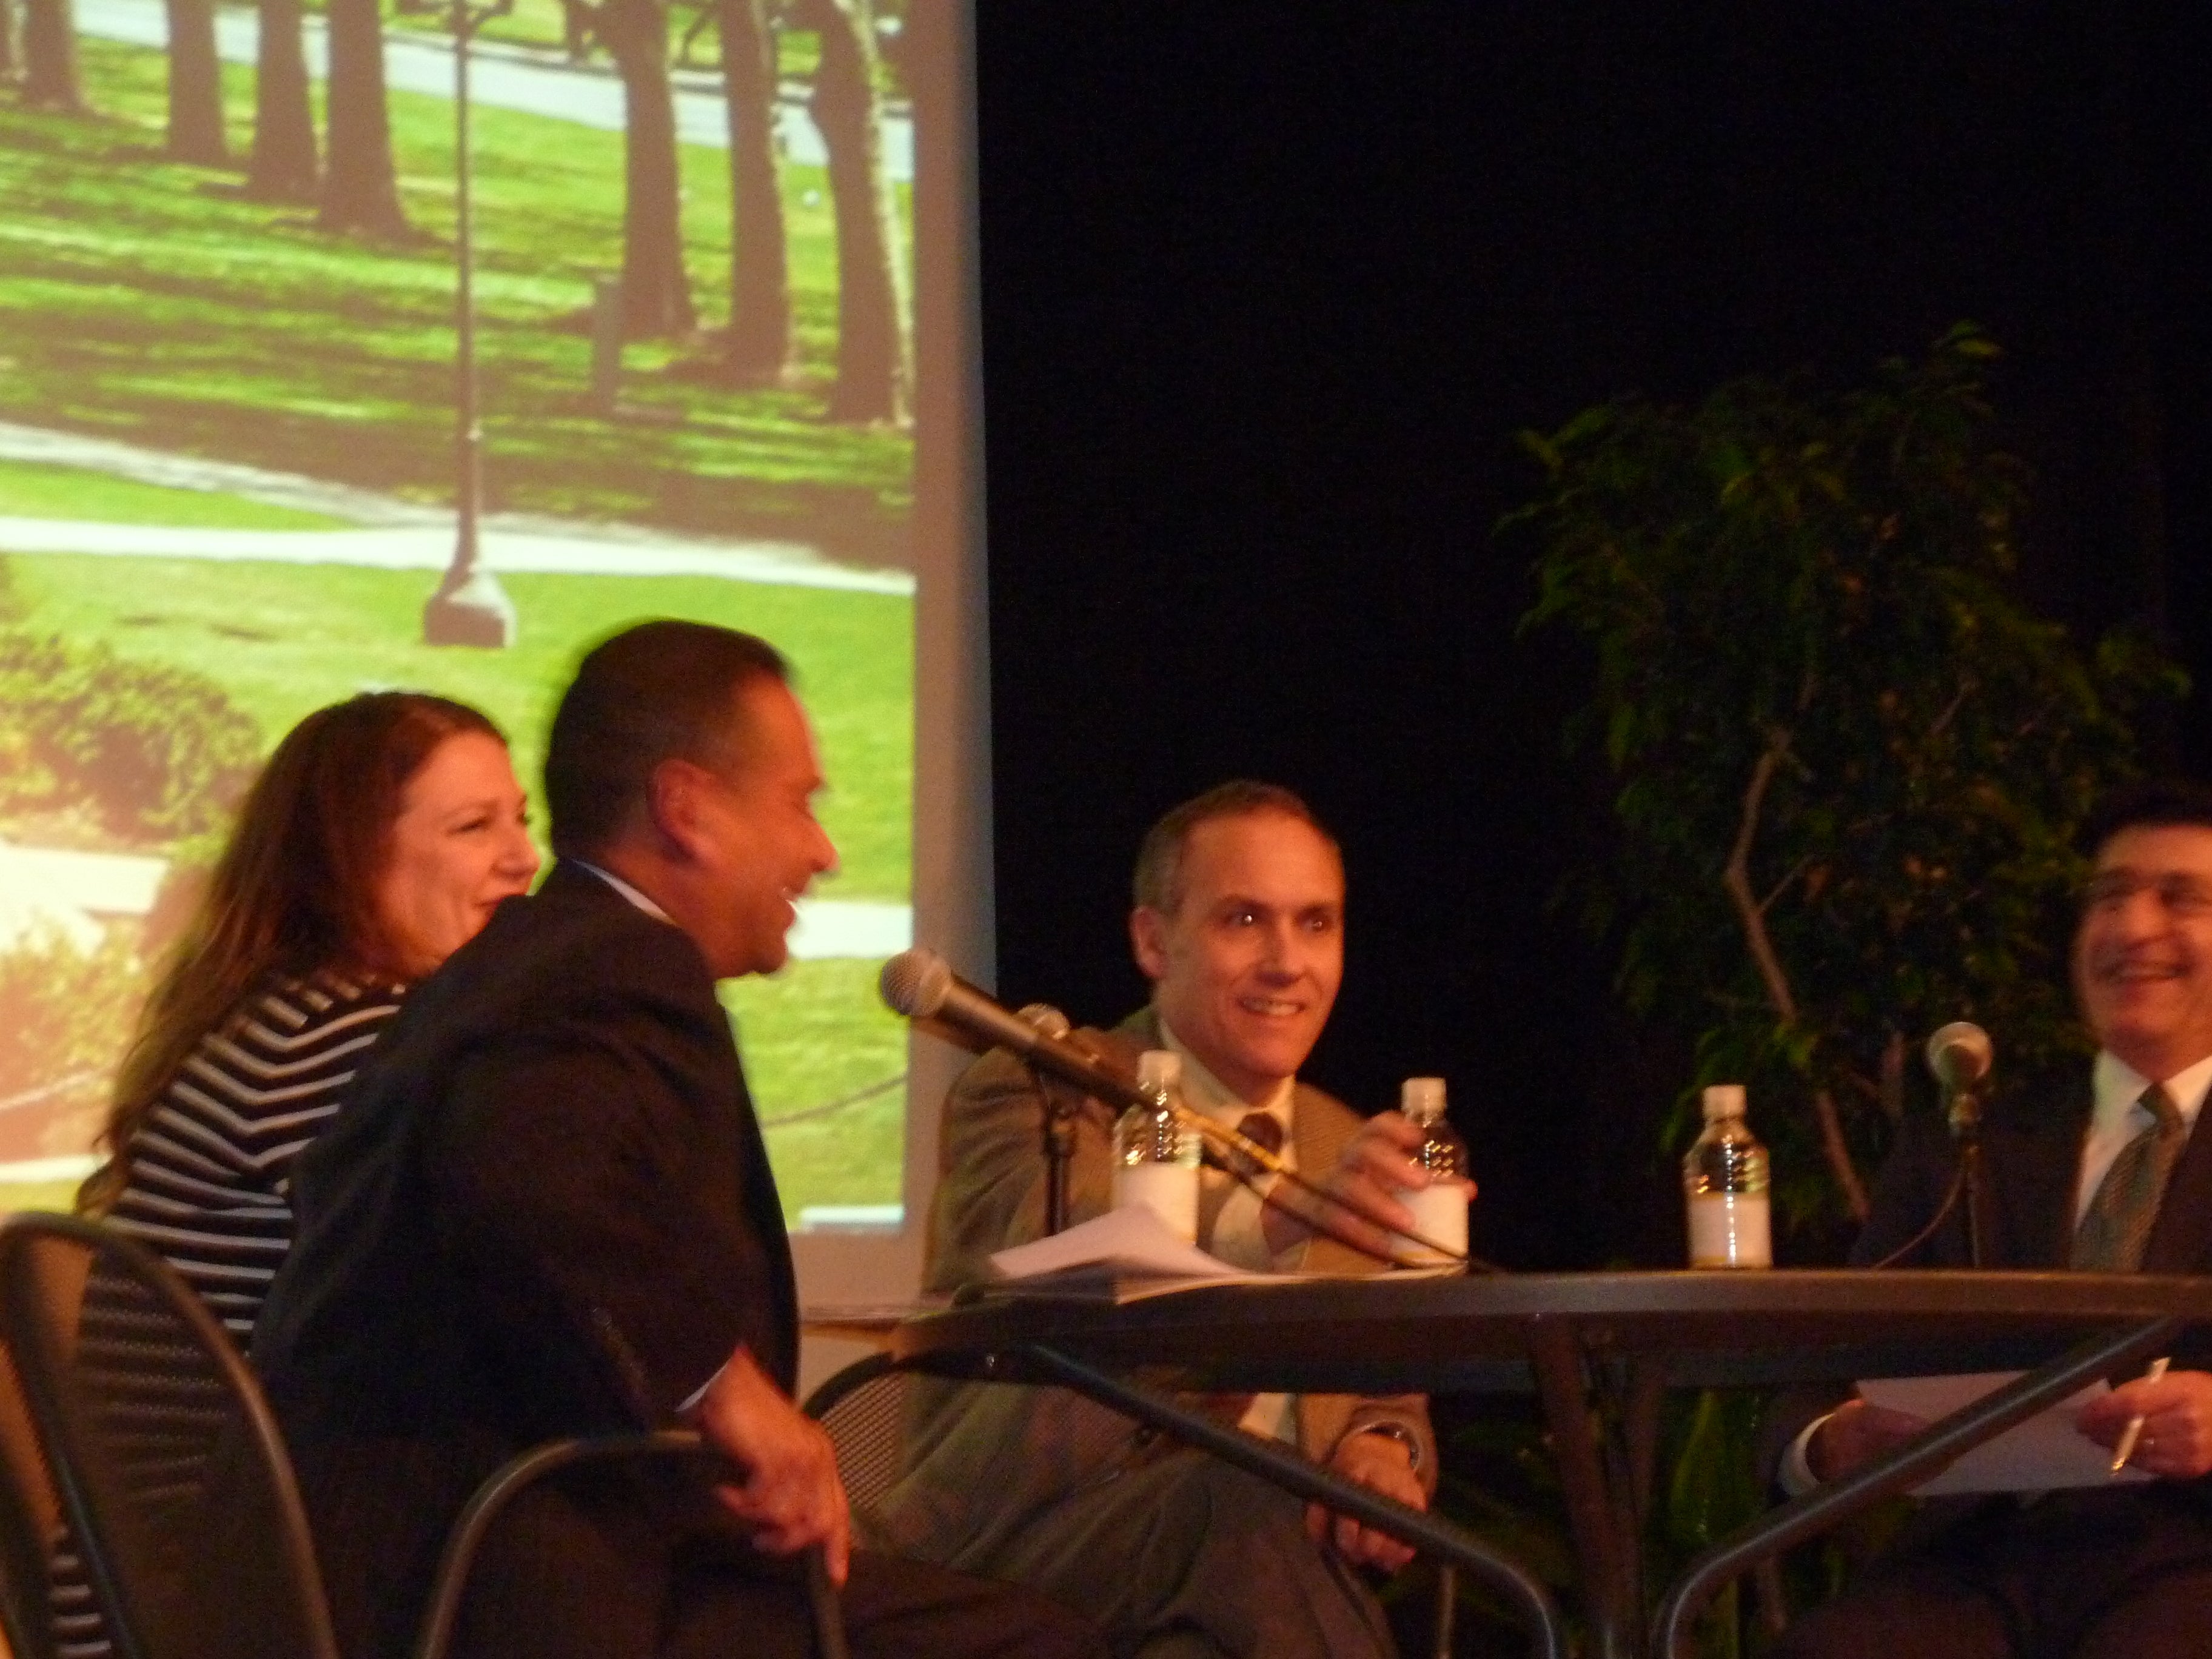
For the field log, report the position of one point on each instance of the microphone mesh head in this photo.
(1960, 1053)
(913, 982)
(1045, 1019)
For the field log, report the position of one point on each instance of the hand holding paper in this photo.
(2046, 1452)
(1854, 1434)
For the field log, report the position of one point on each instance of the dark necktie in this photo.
(1262, 1130)
(2116, 1225)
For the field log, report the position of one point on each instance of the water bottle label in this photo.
(1169, 1191)
(1439, 1212)
(1730, 1229)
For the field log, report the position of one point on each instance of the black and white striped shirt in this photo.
(210, 1179)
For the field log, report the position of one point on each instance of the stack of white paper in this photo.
(2041, 1454)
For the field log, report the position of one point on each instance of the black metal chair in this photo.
(863, 1408)
(173, 1476)
(30, 1524)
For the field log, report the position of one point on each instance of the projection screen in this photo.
(722, 262)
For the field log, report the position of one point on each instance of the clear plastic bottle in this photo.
(1155, 1157)
(1439, 1209)
(1724, 1178)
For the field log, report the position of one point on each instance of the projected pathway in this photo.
(395, 535)
(70, 891)
(509, 77)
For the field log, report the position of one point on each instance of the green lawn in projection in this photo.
(149, 301)
(281, 640)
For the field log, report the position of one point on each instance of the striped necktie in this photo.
(2116, 1225)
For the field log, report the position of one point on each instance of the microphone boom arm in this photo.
(918, 985)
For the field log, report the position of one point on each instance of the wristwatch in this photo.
(1399, 1433)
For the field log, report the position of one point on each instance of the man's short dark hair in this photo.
(659, 691)
(2153, 803)
(1158, 883)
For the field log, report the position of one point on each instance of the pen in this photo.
(2126, 1449)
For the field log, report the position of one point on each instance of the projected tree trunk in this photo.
(656, 294)
(362, 189)
(875, 364)
(195, 85)
(282, 166)
(9, 64)
(50, 80)
(758, 348)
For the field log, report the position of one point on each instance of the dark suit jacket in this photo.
(545, 1211)
(2032, 1168)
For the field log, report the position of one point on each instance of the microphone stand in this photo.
(1965, 1110)
(1058, 1149)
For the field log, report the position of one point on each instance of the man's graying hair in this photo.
(659, 691)
(1157, 883)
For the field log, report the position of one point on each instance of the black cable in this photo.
(1942, 1213)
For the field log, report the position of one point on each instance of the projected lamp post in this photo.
(470, 607)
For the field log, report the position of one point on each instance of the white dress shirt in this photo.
(627, 891)
(1238, 1237)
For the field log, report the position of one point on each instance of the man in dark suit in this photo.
(2122, 1183)
(1239, 924)
(546, 1210)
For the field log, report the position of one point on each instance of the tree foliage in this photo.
(153, 753)
(1850, 763)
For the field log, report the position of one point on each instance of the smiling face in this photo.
(756, 839)
(459, 845)
(2143, 957)
(1246, 967)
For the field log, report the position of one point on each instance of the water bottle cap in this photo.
(1724, 1100)
(1159, 1070)
(1422, 1098)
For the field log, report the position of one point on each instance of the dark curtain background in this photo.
(1268, 289)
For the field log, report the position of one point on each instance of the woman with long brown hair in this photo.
(378, 839)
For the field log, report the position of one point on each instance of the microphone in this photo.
(919, 984)
(1959, 1054)
(1044, 1017)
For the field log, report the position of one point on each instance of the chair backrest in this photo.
(30, 1522)
(171, 1471)
(863, 1409)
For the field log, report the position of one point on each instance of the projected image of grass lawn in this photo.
(160, 332)
(145, 299)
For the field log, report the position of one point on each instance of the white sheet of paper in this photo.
(2041, 1454)
(1132, 1243)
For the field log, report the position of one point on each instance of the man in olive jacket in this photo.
(1239, 924)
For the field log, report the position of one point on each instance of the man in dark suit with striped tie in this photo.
(2118, 1184)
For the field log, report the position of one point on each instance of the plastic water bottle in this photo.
(1155, 1157)
(1724, 1177)
(1440, 1208)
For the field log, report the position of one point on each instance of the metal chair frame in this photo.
(61, 1437)
(26, 1541)
(843, 1385)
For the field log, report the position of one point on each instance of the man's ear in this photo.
(673, 797)
(1148, 941)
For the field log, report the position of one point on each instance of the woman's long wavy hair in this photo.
(294, 890)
